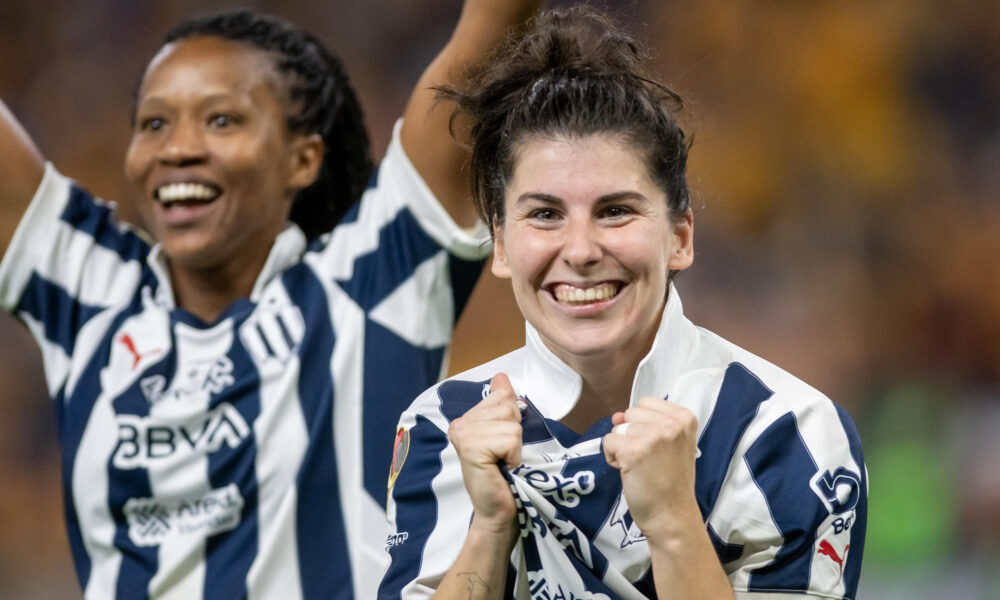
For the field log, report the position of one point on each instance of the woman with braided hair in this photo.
(623, 452)
(226, 395)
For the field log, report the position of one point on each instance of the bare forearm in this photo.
(685, 565)
(426, 135)
(480, 571)
(21, 168)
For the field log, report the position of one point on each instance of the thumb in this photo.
(501, 383)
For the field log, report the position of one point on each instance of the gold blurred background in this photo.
(846, 170)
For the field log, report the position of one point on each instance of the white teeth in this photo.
(185, 191)
(573, 295)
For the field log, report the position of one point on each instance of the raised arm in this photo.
(21, 168)
(425, 135)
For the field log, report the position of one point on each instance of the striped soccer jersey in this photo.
(246, 457)
(780, 479)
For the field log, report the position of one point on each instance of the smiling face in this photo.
(588, 244)
(211, 157)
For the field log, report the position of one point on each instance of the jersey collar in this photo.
(554, 387)
(289, 245)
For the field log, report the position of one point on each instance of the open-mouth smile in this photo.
(565, 293)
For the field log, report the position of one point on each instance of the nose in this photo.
(183, 145)
(581, 245)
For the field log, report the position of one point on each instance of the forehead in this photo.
(210, 65)
(586, 166)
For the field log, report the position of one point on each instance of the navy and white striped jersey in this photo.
(246, 457)
(780, 478)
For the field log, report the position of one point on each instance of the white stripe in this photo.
(25, 252)
(427, 292)
(282, 439)
(347, 363)
(54, 358)
(90, 495)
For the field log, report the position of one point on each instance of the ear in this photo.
(682, 249)
(500, 267)
(306, 158)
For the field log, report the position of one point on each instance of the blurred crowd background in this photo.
(846, 170)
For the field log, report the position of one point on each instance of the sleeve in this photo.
(429, 509)
(792, 514)
(68, 260)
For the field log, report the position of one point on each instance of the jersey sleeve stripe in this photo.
(402, 246)
(97, 220)
(413, 489)
(782, 467)
(738, 402)
(61, 315)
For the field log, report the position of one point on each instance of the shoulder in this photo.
(450, 399)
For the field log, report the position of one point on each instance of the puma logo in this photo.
(827, 550)
(137, 356)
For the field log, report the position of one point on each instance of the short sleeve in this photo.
(68, 261)
(791, 517)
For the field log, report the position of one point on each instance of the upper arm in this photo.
(21, 170)
(426, 136)
(794, 509)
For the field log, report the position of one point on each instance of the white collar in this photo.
(554, 387)
(286, 251)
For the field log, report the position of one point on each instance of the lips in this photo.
(576, 296)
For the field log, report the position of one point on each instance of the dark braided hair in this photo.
(319, 84)
(574, 73)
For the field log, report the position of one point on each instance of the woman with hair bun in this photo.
(623, 452)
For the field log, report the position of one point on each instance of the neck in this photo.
(607, 388)
(207, 292)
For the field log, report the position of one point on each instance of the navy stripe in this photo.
(324, 559)
(782, 467)
(98, 221)
(61, 315)
(727, 552)
(457, 397)
(737, 404)
(416, 506)
(852, 568)
(81, 560)
(395, 372)
(229, 554)
(402, 246)
(73, 415)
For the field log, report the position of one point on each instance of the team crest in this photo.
(400, 448)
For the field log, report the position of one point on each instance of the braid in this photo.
(329, 107)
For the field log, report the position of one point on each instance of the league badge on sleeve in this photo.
(400, 448)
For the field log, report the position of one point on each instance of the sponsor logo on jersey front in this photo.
(200, 379)
(144, 440)
(562, 490)
(151, 521)
(827, 549)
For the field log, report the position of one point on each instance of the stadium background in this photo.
(846, 166)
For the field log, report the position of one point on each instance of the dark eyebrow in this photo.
(605, 199)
